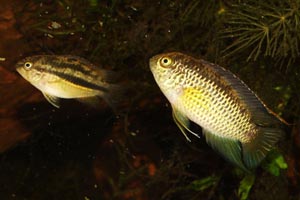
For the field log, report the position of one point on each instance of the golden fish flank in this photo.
(69, 77)
(234, 121)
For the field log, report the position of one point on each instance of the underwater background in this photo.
(77, 152)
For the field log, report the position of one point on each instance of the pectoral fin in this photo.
(55, 101)
(183, 123)
(230, 149)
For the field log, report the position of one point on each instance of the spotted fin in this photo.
(230, 149)
(261, 113)
(255, 151)
(183, 123)
(268, 124)
(55, 101)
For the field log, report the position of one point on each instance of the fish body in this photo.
(234, 120)
(68, 77)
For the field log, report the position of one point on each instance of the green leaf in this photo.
(281, 162)
(275, 163)
(273, 169)
(245, 186)
(202, 184)
(93, 3)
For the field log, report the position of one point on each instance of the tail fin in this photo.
(255, 151)
(115, 96)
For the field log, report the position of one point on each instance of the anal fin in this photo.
(230, 149)
(93, 101)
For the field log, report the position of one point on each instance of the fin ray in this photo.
(261, 113)
(55, 101)
(255, 151)
(93, 101)
(230, 149)
(183, 123)
(114, 95)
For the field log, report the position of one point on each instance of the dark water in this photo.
(78, 152)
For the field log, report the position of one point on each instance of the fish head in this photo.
(170, 71)
(29, 68)
(34, 70)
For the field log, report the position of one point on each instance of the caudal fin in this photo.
(255, 151)
(245, 155)
(115, 96)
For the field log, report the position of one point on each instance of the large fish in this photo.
(233, 119)
(69, 77)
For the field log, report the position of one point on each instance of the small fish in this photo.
(234, 120)
(69, 77)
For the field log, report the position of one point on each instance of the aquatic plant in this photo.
(263, 28)
(246, 36)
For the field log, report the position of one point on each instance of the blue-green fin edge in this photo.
(230, 149)
(245, 155)
(256, 150)
(269, 126)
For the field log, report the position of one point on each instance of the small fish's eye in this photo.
(165, 61)
(28, 65)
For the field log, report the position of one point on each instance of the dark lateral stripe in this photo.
(62, 62)
(75, 67)
(78, 81)
(67, 71)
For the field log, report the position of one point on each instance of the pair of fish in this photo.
(233, 119)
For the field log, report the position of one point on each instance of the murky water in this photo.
(77, 152)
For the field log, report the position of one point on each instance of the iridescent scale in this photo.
(211, 107)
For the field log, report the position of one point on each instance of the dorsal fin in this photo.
(260, 113)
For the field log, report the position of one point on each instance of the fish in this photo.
(70, 77)
(234, 121)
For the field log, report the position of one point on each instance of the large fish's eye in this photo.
(28, 65)
(165, 61)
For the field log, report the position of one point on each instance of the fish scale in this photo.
(234, 120)
(207, 98)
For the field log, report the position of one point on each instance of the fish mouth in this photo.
(18, 65)
(153, 62)
(18, 68)
(21, 72)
